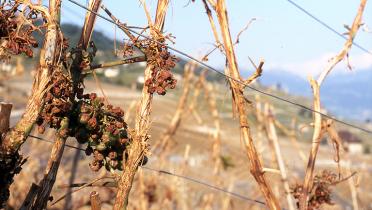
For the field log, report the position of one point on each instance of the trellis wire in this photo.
(227, 76)
(172, 174)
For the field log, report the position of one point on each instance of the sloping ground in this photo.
(163, 191)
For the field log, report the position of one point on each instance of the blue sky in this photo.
(284, 36)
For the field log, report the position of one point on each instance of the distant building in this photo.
(142, 64)
(6, 67)
(352, 143)
(111, 72)
(8, 70)
(140, 82)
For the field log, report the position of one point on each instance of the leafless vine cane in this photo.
(240, 105)
(212, 104)
(51, 171)
(315, 84)
(85, 38)
(95, 201)
(12, 140)
(194, 103)
(273, 137)
(139, 144)
(178, 114)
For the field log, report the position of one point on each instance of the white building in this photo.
(111, 72)
(352, 143)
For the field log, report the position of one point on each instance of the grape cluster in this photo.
(91, 122)
(128, 50)
(16, 35)
(320, 192)
(58, 102)
(102, 127)
(162, 62)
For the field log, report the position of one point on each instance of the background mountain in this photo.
(347, 94)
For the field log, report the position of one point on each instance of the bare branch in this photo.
(51, 171)
(30, 197)
(10, 159)
(352, 186)
(194, 100)
(5, 110)
(256, 74)
(317, 134)
(148, 16)
(292, 135)
(244, 29)
(272, 136)
(114, 63)
(50, 174)
(212, 105)
(90, 19)
(79, 188)
(139, 144)
(122, 26)
(212, 3)
(347, 46)
(95, 184)
(213, 25)
(240, 105)
(177, 116)
(48, 59)
(95, 201)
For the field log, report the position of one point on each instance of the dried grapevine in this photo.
(320, 193)
(101, 126)
(17, 27)
(159, 58)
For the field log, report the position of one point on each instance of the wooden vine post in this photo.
(194, 102)
(291, 133)
(178, 115)
(139, 145)
(95, 201)
(273, 137)
(5, 110)
(212, 105)
(83, 44)
(11, 141)
(240, 105)
(315, 84)
(47, 183)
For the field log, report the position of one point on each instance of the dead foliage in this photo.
(315, 85)
(17, 27)
(321, 191)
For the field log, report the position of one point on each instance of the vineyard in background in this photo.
(142, 125)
